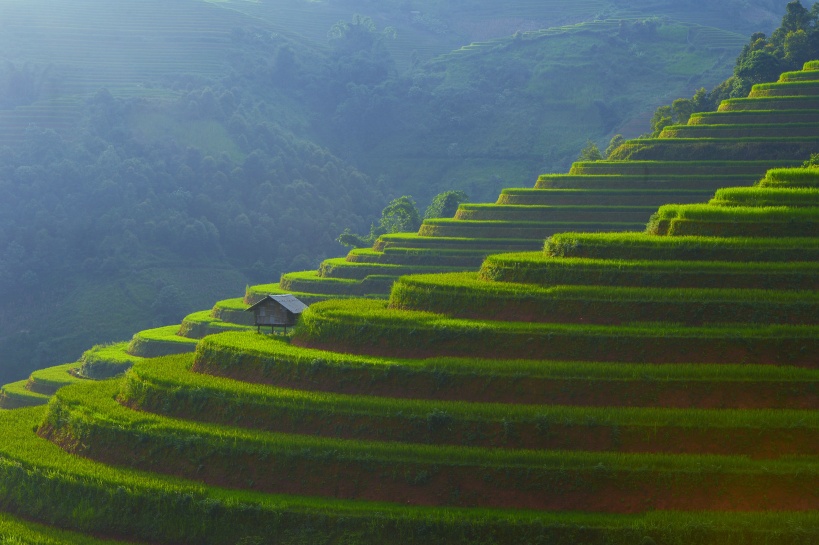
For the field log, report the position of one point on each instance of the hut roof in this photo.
(287, 301)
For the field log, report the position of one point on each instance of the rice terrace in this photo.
(624, 351)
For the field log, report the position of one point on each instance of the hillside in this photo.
(654, 387)
(139, 140)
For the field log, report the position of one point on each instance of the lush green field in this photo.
(642, 246)
(415, 473)
(464, 295)
(410, 241)
(708, 220)
(346, 269)
(259, 358)
(767, 197)
(765, 103)
(159, 341)
(104, 361)
(636, 181)
(146, 506)
(47, 381)
(754, 116)
(553, 213)
(534, 268)
(607, 389)
(16, 395)
(663, 168)
(791, 177)
(17, 531)
(601, 197)
(233, 311)
(311, 283)
(742, 130)
(369, 327)
(514, 229)
(203, 323)
(773, 149)
(786, 89)
(169, 388)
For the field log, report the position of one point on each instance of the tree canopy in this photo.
(763, 59)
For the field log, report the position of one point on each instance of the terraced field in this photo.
(685, 165)
(653, 382)
(610, 388)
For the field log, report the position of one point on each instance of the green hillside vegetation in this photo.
(693, 408)
(763, 58)
(617, 194)
(199, 142)
(563, 371)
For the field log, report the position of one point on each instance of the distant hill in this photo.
(141, 140)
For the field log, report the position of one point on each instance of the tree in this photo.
(615, 142)
(813, 162)
(662, 118)
(761, 60)
(399, 216)
(758, 67)
(444, 205)
(590, 152)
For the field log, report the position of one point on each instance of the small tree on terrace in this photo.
(590, 152)
(616, 141)
(399, 216)
(445, 204)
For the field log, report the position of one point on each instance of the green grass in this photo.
(600, 197)
(675, 168)
(738, 214)
(17, 531)
(464, 295)
(777, 151)
(791, 178)
(369, 327)
(404, 240)
(259, 358)
(767, 196)
(642, 246)
(268, 355)
(200, 324)
(787, 89)
(438, 257)
(254, 294)
(342, 268)
(766, 103)
(535, 268)
(16, 395)
(168, 387)
(754, 116)
(708, 220)
(513, 229)
(799, 75)
(233, 311)
(107, 360)
(553, 213)
(47, 381)
(52, 485)
(160, 341)
(742, 131)
(644, 182)
(88, 417)
(321, 287)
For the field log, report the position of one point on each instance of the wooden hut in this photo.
(277, 311)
